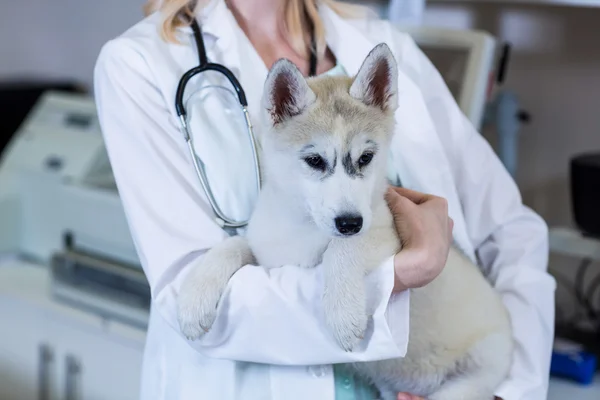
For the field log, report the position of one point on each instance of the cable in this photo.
(566, 281)
(579, 279)
(591, 295)
(562, 318)
(583, 297)
(586, 313)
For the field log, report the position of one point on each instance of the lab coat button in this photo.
(318, 371)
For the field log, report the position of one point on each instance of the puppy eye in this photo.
(365, 159)
(316, 162)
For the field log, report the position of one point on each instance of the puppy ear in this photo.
(286, 92)
(376, 83)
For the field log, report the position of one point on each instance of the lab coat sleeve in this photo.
(511, 241)
(266, 316)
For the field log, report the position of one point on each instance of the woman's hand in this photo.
(425, 229)
(406, 396)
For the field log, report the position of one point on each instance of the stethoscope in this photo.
(203, 66)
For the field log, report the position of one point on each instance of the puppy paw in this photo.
(346, 319)
(197, 302)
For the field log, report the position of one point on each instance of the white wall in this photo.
(59, 38)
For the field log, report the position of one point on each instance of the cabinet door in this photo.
(28, 359)
(98, 366)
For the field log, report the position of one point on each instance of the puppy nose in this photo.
(349, 224)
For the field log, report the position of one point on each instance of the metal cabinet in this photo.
(27, 360)
(97, 366)
(50, 352)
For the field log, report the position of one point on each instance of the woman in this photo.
(267, 330)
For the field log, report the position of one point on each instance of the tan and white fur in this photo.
(323, 160)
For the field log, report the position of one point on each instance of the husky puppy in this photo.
(324, 168)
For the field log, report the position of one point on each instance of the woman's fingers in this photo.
(404, 202)
(413, 195)
(398, 203)
(405, 214)
(407, 396)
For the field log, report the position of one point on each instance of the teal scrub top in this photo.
(349, 387)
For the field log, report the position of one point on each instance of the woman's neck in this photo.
(263, 22)
(259, 17)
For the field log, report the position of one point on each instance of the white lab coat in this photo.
(273, 317)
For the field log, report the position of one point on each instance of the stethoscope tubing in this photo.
(205, 66)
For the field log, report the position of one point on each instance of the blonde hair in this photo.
(298, 14)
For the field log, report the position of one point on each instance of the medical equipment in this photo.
(584, 172)
(17, 98)
(203, 66)
(504, 113)
(571, 361)
(59, 206)
(465, 60)
(579, 322)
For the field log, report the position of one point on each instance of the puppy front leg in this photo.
(346, 262)
(202, 289)
(344, 299)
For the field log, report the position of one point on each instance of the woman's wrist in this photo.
(411, 269)
(423, 224)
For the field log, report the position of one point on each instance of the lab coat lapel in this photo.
(218, 22)
(416, 152)
(233, 49)
(217, 25)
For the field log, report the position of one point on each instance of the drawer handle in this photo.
(72, 384)
(45, 360)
